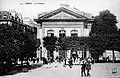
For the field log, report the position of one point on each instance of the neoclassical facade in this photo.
(64, 21)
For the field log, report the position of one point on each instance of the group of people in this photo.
(85, 67)
(51, 60)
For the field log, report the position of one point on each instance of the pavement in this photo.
(56, 70)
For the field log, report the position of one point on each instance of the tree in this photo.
(15, 43)
(118, 39)
(50, 44)
(104, 24)
(75, 43)
(104, 32)
(9, 46)
(29, 45)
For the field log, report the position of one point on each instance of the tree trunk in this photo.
(65, 57)
(82, 54)
(21, 62)
(113, 56)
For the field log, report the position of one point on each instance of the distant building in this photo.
(108, 53)
(29, 21)
(10, 17)
(65, 21)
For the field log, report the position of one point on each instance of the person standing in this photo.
(83, 66)
(70, 62)
(55, 63)
(88, 67)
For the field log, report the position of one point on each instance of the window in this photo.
(62, 33)
(87, 25)
(50, 33)
(5, 17)
(74, 33)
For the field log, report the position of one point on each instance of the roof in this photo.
(64, 13)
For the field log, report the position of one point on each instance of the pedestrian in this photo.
(44, 60)
(55, 63)
(92, 60)
(88, 67)
(83, 66)
(64, 62)
(70, 62)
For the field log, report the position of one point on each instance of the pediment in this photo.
(62, 15)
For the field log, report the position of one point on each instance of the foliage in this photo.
(118, 40)
(104, 35)
(50, 43)
(15, 43)
(28, 49)
(104, 24)
(74, 42)
(10, 42)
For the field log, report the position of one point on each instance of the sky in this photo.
(39, 6)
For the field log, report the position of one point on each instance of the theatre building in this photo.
(64, 21)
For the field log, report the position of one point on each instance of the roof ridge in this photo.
(72, 10)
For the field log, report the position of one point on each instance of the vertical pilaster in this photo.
(82, 29)
(44, 52)
(39, 35)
